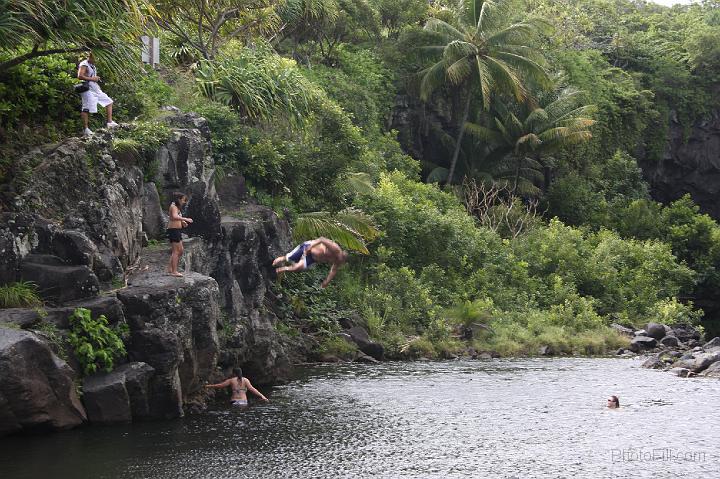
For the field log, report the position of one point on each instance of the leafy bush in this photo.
(670, 311)
(419, 347)
(141, 140)
(22, 294)
(336, 346)
(94, 343)
(139, 96)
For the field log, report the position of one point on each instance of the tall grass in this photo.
(22, 294)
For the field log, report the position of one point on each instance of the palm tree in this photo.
(525, 139)
(111, 28)
(483, 50)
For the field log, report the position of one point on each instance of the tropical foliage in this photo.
(342, 114)
(95, 344)
(483, 53)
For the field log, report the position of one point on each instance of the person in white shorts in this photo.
(87, 71)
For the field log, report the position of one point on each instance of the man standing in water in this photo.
(321, 250)
(240, 386)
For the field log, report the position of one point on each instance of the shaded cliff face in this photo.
(690, 164)
(77, 230)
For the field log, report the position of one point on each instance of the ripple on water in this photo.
(500, 418)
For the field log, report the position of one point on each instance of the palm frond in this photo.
(349, 228)
(443, 28)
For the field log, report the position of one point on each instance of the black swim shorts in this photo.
(174, 235)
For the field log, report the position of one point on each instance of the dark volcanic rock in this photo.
(640, 343)
(19, 317)
(154, 220)
(689, 165)
(713, 371)
(173, 325)
(622, 330)
(697, 362)
(109, 306)
(712, 345)
(232, 191)
(360, 337)
(37, 391)
(655, 330)
(17, 239)
(118, 396)
(57, 281)
(104, 201)
(670, 341)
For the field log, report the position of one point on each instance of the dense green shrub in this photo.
(140, 142)
(39, 94)
(94, 343)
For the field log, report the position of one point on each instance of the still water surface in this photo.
(526, 418)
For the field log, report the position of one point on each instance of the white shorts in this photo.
(92, 97)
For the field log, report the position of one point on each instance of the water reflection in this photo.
(500, 418)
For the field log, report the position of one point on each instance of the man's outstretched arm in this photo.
(330, 276)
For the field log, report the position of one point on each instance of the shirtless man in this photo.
(321, 250)
(240, 386)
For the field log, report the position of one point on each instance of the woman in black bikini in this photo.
(240, 386)
(174, 231)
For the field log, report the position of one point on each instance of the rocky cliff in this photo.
(82, 228)
(690, 164)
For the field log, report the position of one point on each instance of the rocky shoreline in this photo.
(677, 349)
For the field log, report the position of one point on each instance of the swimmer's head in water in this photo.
(180, 199)
(613, 402)
(238, 373)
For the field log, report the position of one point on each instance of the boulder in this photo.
(655, 330)
(698, 361)
(658, 361)
(622, 330)
(232, 191)
(642, 343)
(640, 332)
(713, 371)
(19, 318)
(109, 306)
(681, 372)
(670, 341)
(37, 392)
(685, 332)
(75, 248)
(119, 396)
(154, 220)
(712, 345)
(361, 338)
(57, 281)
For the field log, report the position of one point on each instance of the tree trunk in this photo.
(456, 153)
(517, 174)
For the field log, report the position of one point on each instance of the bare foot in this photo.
(177, 275)
(278, 261)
